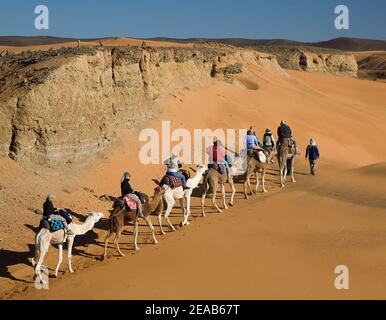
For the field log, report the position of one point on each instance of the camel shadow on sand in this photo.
(10, 258)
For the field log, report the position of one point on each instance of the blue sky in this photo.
(303, 20)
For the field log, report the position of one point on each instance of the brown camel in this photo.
(119, 216)
(286, 158)
(255, 167)
(211, 182)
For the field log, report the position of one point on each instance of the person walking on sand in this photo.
(312, 153)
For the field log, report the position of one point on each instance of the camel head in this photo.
(202, 168)
(159, 191)
(96, 216)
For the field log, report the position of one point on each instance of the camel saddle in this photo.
(130, 204)
(174, 182)
(171, 181)
(260, 155)
(220, 167)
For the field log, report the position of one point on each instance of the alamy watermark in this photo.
(342, 21)
(42, 20)
(342, 281)
(42, 282)
(189, 146)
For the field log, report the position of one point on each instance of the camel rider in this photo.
(128, 191)
(252, 129)
(268, 140)
(251, 142)
(50, 214)
(217, 156)
(173, 164)
(284, 132)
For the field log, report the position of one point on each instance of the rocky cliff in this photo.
(315, 60)
(61, 105)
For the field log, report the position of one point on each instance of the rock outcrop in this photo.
(60, 106)
(315, 60)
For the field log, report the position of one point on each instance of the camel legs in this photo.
(257, 181)
(60, 259)
(224, 197)
(70, 244)
(232, 184)
(159, 217)
(108, 236)
(292, 168)
(263, 180)
(39, 262)
(184, 210)
(116, 240)
(170, 204)
(136, 223)
(150, 224)
(186, 222)
(247, 184)
(214, 203)
(203, 203)
(283, 172)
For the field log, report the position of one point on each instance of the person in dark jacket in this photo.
(284, 132)
(128, 191)
(312, 153)
(50, 213)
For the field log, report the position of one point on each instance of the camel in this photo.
(211, 182)
(44, 238)
(255, 167)
(171, 195)
(286, 158)
(120, 215)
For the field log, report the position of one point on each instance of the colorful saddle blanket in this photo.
(130, 203)
(56, 225)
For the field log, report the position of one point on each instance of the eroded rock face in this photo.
(315, 60)
(63, 105)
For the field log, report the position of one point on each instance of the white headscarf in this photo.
(312, 142)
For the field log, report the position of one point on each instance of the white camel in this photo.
(171, 195)
(44, 238)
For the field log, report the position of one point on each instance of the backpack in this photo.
(267, 140)
(66, 215)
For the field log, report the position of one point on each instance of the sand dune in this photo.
(285, 244)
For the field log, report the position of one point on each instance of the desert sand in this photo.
(284, 244)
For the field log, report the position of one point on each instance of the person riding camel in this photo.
(312, 153)
(173, 164)
(128, 191)
(252, 129)
(50, 214)
(284, 132)
(218, 156)
(268, 140)
(251, 142)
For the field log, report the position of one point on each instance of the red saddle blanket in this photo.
(130, 203)
(175, 182)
